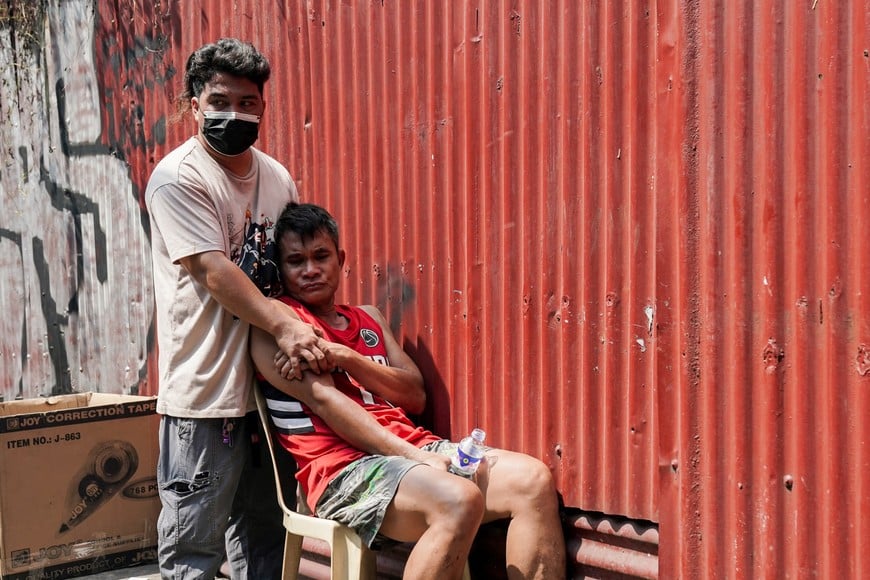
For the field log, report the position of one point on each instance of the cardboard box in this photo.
(78, 485)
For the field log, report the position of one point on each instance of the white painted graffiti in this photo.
(74, 257)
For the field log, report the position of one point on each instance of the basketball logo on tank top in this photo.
(369, 336)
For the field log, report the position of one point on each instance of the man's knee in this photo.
(542, 477)
(463, 502)
(534, 482)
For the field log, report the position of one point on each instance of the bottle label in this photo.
(466, 461)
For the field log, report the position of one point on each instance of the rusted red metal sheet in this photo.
(488, 191)
(626, 238)
(762, 375)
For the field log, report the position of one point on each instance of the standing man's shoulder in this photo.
(176, 158)
(181, 165)
(273, 174)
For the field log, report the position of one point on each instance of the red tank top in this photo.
(319, 452)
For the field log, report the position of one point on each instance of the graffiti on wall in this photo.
(74, 251)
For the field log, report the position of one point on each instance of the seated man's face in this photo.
(310, 269)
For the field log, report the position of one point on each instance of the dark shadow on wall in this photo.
(436, 417)
(395, 295)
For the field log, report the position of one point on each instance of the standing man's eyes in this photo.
(216, 100)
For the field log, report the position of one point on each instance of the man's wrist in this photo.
(285, 321)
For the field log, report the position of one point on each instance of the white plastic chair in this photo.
(351, 558)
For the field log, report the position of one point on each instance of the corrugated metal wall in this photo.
(626, 238)
(765, 463)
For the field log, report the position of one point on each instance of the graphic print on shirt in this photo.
(256, 256)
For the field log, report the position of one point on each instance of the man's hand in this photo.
(335, 354)
(436, 460)
(235, 292)
(301, 343)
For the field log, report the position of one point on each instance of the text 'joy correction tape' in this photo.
(107, 469)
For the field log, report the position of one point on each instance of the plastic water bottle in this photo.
(468, 454)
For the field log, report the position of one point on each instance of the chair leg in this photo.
(292, 556)
(466, 573)
(362, 563)
(339, 567)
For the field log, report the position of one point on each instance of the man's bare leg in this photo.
(520, 487)
(439, 511)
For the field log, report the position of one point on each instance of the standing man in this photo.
(213, 202)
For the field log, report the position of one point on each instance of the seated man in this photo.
(361, 461)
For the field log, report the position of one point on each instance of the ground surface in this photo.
(146, 572)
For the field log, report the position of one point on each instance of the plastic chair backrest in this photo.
(350, 558)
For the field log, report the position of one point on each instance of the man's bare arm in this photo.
(238, 294)
(401, 383)
(349, 420)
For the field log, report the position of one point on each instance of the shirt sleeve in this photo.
(187, 219)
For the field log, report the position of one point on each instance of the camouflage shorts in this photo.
(359, 495)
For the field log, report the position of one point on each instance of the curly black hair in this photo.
(227, 55)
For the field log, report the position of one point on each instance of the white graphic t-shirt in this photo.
(196, 206)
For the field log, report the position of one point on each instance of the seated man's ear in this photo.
(341, 256)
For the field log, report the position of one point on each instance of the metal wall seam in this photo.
(857, 218)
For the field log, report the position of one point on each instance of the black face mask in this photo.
(230, 133)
